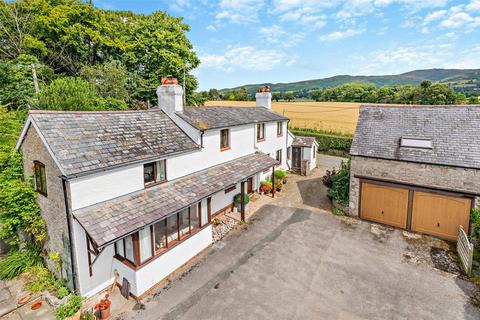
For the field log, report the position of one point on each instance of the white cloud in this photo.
(239, 11)
(211, 28)
(459, 16)
(247, 57)
(404, 58)
(337, 35)
(277, 35)
(474, 5)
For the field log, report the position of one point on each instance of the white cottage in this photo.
(129, 196)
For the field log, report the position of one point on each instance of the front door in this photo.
(296, 157)
(250, 185)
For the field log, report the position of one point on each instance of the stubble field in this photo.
(330, 116)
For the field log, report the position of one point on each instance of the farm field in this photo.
(330, 116)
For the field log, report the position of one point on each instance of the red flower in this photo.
(107, 296)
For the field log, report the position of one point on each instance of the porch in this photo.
(143, 237)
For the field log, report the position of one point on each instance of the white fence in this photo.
(465, 250)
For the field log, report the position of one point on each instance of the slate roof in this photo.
(89, 141)
(453, 130)
(205, 118)
(113, 219)
(303, 141)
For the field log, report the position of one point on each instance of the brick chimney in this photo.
(170, 95)
(263, 97)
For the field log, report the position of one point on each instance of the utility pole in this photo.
(35, 80)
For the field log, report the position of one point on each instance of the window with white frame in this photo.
(260, 131)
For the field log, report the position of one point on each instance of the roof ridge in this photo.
(90, 112)
(419, 106)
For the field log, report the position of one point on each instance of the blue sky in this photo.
(255, 41)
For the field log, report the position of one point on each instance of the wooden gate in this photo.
(465, 250)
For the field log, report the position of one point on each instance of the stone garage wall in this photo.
(52, 206)
(425, 175)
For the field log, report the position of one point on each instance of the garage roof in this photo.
(452, 130)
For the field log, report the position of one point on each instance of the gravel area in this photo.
(221, 226)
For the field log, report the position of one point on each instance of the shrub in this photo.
(69, 308)
(280, 174)
(328, 142)
(475, 223)
(18, 261)
(340, 189)
(327, 178)
(41, 279)
(237, 198)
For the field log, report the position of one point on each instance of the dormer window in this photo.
(154, 172)
(260, 131)
(421, 143)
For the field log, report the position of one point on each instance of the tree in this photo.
(67, 35)
(288, 96)
(213, 94)
(17, 89)
(276, 96)
(473, 100)
(242, 94)
(69, 93)
(316, 95)
(439, 93)
(109, 79)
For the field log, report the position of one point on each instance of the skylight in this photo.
(422, 143)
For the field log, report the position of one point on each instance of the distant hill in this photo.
(461, 79)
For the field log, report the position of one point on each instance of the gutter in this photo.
(70, 236)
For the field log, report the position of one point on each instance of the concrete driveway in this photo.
(297, 261)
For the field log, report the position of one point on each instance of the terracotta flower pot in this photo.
(105, 313)
(36, 305)
(24, 299)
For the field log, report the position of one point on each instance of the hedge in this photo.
(327, 141)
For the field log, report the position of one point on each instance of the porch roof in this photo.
(110, 220)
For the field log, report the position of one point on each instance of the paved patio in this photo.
(297, 261)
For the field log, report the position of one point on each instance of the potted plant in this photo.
(70, 310)
(237, 200)
(104, 307)
(281, 175)
(266, 187)
(278, 185)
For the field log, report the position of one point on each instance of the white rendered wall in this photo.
(221, 199)
(241, 144)
(103, 269)
(107, 185)
(113, 183)
(155, 271)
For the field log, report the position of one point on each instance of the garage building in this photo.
(416, 167)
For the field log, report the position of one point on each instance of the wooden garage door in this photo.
(440, 215)
(384, 204)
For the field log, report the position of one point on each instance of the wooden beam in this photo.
(242, 201)
(273, 182)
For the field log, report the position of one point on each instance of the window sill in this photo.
(171, 245)
(279, 135)
(261, 140)
(224, 149)
(153, 184)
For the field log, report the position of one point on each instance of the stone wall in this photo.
(426, 175)
(52, 206)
